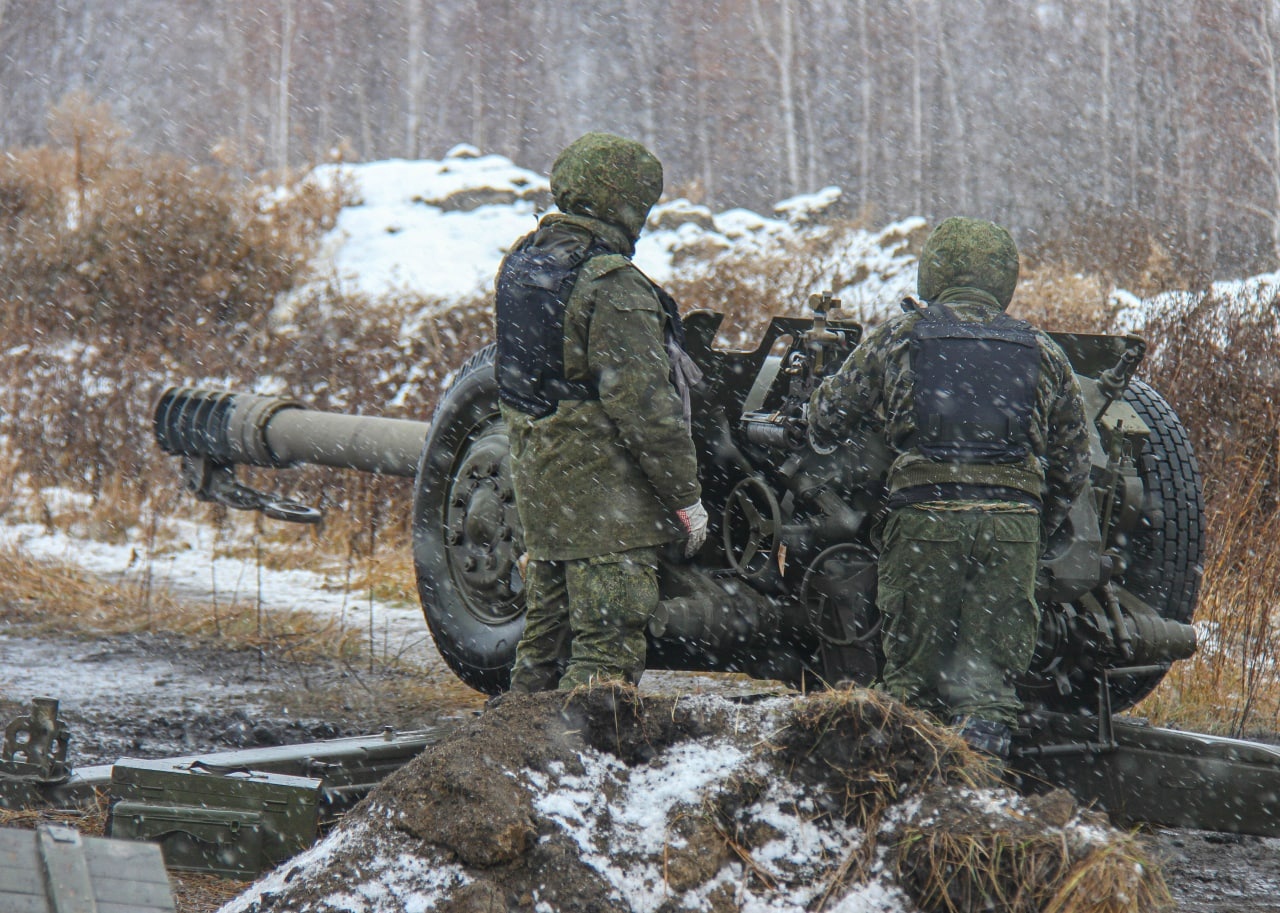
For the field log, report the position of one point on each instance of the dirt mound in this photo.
(605, 801)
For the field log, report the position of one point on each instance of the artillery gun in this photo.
(785, 587)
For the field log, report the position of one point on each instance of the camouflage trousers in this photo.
(585, 620)
(957, 594)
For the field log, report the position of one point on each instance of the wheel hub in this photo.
(482, 532)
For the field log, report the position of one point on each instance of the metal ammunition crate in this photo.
(227, 821)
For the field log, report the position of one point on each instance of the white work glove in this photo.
(693, 520)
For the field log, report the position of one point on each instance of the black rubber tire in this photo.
(1166, 554)
(476, 635)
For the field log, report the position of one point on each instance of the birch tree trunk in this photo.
(288, 26)
(415, 71)
(1267, 27)
(868, 93)
(917, 106)
(1104, 101)
(959, 139)
(782, 54)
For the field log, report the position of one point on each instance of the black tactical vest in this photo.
(975, 387)
(533, 289)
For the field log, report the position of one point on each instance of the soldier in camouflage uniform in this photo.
(988, 426)
(602, 462)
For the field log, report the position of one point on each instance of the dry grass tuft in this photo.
(1114, 878)
(967, 851)
(1213, 358)
(47, 597)
(194, 893)
(91, 822)
(865, 751)
(1063, 302)
(1124, 248)
(1231, 685)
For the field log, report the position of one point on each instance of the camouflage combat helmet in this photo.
(973, 253)
(610, 178)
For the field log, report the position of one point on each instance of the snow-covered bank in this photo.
(432, 233)
(187, 559)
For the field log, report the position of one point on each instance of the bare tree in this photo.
(1166, 110)
(1104, 97)
(781, 50)
(415, 76)
(284, 70)
(1259, 33)
(918, 149)
(867, 92)
(950, 87)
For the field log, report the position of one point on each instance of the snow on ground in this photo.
(1251, 295)
(82, 687)
(433, 233)
(619, 818)
(436, 231)
(431, 229)
(186, 563)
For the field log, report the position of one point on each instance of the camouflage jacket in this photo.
(605, 475)
(875, 386)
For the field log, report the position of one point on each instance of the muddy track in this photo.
(143, 696)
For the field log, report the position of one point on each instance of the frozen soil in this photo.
(1219, 873)
(612, 801)
(144, 696)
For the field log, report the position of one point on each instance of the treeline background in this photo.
(1073, 122)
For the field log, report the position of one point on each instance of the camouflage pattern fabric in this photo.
(968, 253)
(874, 386)
(597, 482)
(609, 178)
(605, 475)
(957, 594)
(957, 577)
(585, 621)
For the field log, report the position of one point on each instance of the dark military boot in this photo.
(985, 736)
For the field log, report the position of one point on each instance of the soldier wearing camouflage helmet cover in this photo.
(593, 384)
(987, 424)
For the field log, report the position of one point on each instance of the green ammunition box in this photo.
(230, 822)
(212, 840)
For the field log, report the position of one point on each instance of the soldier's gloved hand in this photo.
(693, 520)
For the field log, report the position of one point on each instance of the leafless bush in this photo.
(1062, 302)
(1213, 358)
(1124, 248)
(121, 271)
(750, 289)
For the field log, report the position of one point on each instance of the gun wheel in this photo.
(1164, 552)
(466, 535)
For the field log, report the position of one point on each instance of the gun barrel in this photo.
(245, 428)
